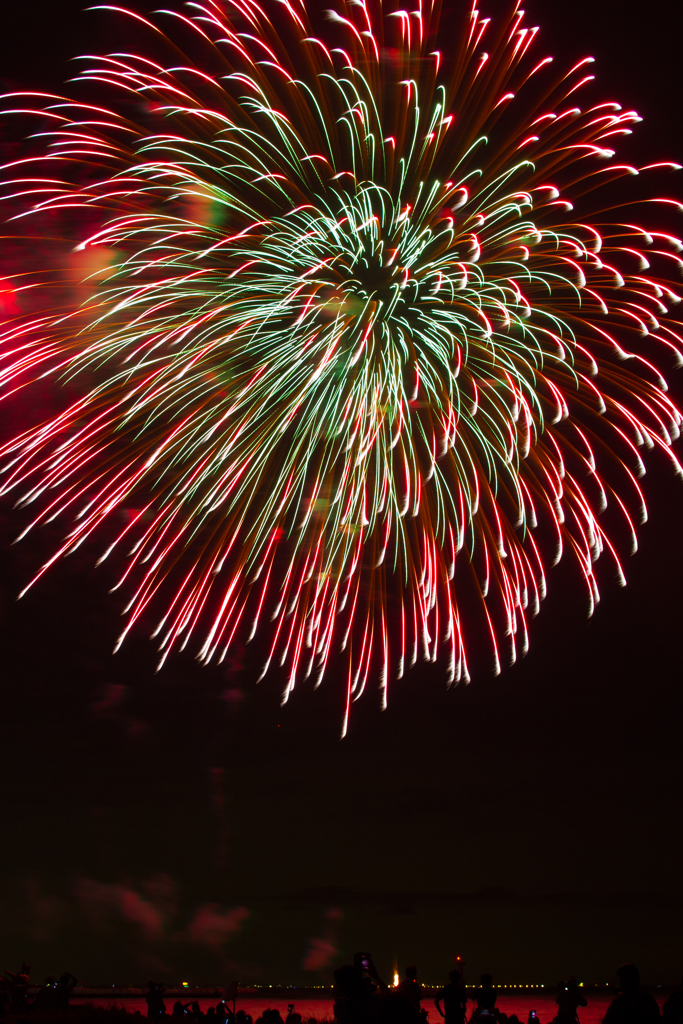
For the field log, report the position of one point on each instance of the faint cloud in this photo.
(154, 965)
(94, 900)
(323, 949)
(45, 912)
(150, 911)
(212, 926)
(162, 892)
(321, 953)
(112, 696)
(141, 912)
(100, 902)
(111, 706)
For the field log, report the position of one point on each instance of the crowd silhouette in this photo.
(362, 997)
(53, 995)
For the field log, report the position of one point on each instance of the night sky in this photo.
(185, 823)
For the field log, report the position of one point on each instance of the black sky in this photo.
(532, 822)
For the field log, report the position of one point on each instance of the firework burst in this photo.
(348, 364)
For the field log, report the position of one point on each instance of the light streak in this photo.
(349, 353)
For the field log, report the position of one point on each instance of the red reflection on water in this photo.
(321, 1007)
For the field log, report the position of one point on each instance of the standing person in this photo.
(356, 991)
(454, 999)
(486, 1000)
(156, 1007)
(632, 1006)
(18, 988)
(411, 990)
(672, 1011)
(47, 995)
(64, 991)
(407, 997)
(569, 998)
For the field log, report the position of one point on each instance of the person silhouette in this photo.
(64, 990)
(17, 987)
(356, 991)
(631, 1006)
(156, 1007)
(410, 991)
(486, 1001)
(672, 1011)
(569, 998)
(47, 995)
(454, 999)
